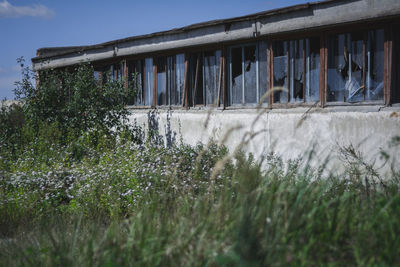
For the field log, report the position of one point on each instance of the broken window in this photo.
(148, 82)
(247, 73)
(355, 84)
(296, 68)
(161, 81)
(280, 52)
(296, 71)
(338, 71)
(250, 74)
(355, 66)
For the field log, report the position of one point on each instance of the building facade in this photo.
(318, 75)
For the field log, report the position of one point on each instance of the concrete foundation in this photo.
(290, 133)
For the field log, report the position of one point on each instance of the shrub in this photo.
(73, 100)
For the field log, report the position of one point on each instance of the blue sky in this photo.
(27, 25)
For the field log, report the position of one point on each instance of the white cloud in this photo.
(7, 10)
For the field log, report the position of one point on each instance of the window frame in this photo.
(257, 64)
(225, 67)
(288, 40)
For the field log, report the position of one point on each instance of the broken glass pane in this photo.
(236, 75)
(280, 70)
(149, 81)
(375, 69)
(338, 69)
(354, 85)
(161, 82)
(180, 78)
(296, 71)
(263, 69)
(312, 69)
(250, 74)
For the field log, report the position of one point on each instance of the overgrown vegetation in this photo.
(79, 187)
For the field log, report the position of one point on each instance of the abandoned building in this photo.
(318, 75)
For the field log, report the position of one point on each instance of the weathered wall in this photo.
(290, 133)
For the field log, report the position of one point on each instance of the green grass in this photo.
(151, 206)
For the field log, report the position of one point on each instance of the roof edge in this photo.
(62, 51)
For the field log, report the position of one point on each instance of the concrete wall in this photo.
(290, 133)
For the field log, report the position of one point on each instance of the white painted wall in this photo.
(291, 132)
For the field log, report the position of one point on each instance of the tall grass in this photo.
(284, 215)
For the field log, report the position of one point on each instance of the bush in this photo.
(68, 110)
